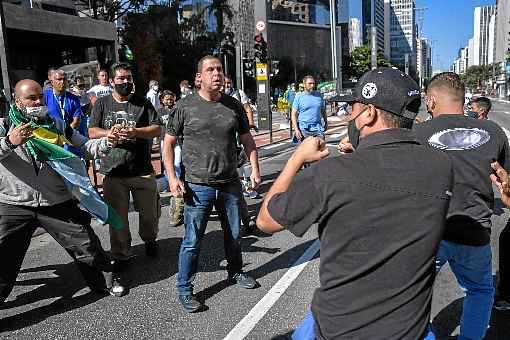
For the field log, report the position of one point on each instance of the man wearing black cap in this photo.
(472, 144)
(380, 212)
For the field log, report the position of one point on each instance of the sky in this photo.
(448, 23)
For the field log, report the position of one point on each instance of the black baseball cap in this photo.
(388, 89)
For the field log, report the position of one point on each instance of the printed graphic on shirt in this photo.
(459, 139)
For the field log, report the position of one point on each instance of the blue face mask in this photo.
(472, 114)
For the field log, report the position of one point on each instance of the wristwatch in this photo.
(9, 143)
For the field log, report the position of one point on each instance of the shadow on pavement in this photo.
(281, 261)
(447, 320)
(62, 288)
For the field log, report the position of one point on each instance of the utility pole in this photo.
(406, 63)
(262, 70)
(332, 25)
(374, 47)
(4, 56)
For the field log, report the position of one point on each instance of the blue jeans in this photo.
(472, 267)
(177, 166)
(198, 203)
(313, 130)
(306, 330)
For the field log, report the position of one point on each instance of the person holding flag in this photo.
(40, 185)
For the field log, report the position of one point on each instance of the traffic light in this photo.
(260, 48)
(248, 67)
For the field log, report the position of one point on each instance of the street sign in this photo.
(261, 71)
(260, 26)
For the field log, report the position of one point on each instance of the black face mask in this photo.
(353, 133)
(124, 89)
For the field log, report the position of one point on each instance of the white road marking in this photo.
(244, 327)
(507, 133)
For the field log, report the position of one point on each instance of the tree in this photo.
(109, 10)
(476, 76)
(360, 61)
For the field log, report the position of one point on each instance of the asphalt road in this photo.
(51, 301)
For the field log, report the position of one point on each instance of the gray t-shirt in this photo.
(209, 137)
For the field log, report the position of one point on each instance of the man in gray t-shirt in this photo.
(208, 121)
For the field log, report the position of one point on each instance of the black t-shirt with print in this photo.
(131, 157)
(208, 129)
(472, 144)
(381, 212)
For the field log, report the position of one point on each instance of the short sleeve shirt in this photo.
(381, 212)
(100, 90)
(308, 106)
(472, 144)
(132, 157)
(209, 129)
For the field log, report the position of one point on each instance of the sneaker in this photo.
(502, 305)
(243, 280)
(114, 287)
(250, 227)
(190, 303)
(151, 248)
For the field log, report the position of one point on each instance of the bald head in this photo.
(28, 93)
(26, 86)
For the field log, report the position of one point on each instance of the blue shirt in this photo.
(308, 106)
(70, 104)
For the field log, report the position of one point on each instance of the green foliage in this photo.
(164, 49)
(360, 61)
(477, 76)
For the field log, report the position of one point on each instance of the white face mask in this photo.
(155, 88)
(37, 112)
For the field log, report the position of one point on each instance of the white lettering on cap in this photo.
(413, 93)
(369, 91)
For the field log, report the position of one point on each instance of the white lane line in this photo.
(244, 327)
(275, 145)
(507, 133)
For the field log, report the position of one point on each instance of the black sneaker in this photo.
(502, 305)
(151, 248)
(250, 228)
(114, 286)
(190, 303)
(243, 280)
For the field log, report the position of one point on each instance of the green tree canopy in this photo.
(360, 61)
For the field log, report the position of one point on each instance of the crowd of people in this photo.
(404, 197)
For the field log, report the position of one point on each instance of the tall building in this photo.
(372, 13)
(503, 30)
(423, 60)
(403, 32)
(354, 34)
(482, 17)
(471, 48)
(502, 45)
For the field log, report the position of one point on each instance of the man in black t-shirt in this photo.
(380, 210)
(472, 144)
(208, 121)
(128, 168)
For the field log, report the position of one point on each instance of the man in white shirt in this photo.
(153, 94)
(102, 89)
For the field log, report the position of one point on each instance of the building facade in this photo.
(355, 39)
(403, 32)
(502, 30)
(423, 60)
(372, 14)
(50, 33)
(481, 34)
